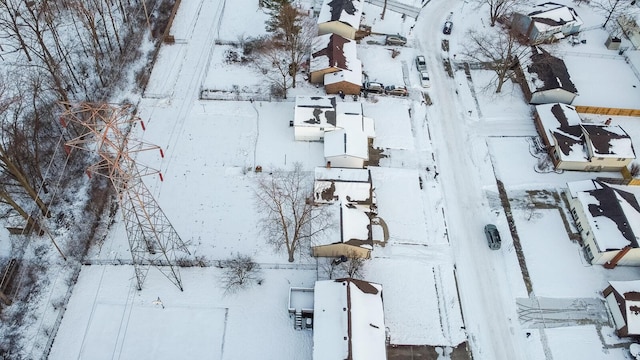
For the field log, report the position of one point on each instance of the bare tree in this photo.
(348, 265)
(613, 9)
(273, 62)
(499, 51)
(500, 8)
(290, 219)
(239, 272)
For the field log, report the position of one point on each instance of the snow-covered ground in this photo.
(441, 283)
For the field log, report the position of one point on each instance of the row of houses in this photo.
(573, 143)
(607, 216)
(347, 315)
(334, 62)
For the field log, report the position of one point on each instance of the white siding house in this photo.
(313, 115)
(546, 79)
(576, 145)
(348, 320)
(608, 218)
(547, 22)
(346, 148)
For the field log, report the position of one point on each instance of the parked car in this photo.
(396, 40)
(493, 236)
(396, 90)
(373, 87)
(447, 27)
(421, 63)
(424, 79)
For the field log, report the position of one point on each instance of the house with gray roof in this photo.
(608, 218)
(545, 79)
(574, 144)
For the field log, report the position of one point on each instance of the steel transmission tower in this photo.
(104, 130)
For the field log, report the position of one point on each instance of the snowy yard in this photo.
(427, 266)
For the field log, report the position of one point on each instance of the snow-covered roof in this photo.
(342, 174)
(353, 75)
(609, 141)
(328, 191)
(630, 291)
(582, 185)
(613, 214)
(355, 224)
(334, 51)
(551, 15)
(345, 11)
(347, 142)
(565, 129)
(561, 123)
(318, 111)
(544, 71)
(348, 320)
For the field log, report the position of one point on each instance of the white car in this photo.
(424, 79)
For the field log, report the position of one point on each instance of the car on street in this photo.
(424, 79)
(373, 87)
(396, 40)
(396, 90)
(493, 236)
(447, 27)
(421, 63)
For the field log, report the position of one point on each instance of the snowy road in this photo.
(487, 304)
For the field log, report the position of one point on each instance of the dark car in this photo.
(447, 27)
(396, 90)
(373, 87)
(493, 236)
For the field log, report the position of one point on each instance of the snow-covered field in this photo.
(436, 248)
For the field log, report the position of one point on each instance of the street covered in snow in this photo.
(444, 173)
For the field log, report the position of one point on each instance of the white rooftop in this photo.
(348, 320)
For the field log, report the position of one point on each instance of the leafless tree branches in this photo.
(239, 272)
(290, 220)
(499, 51)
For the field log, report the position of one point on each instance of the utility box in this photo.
(613, 43)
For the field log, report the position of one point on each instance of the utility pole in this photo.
(153, 241)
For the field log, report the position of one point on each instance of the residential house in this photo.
(313, 115)
(331, 53)
(347, 82)
(316, 115)
(608, 218)
(346, 148)
(623, 300)
(348, 320)
(349, 195)
(341, 17)
(574, 144)
(546, 23)
(544, 79)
